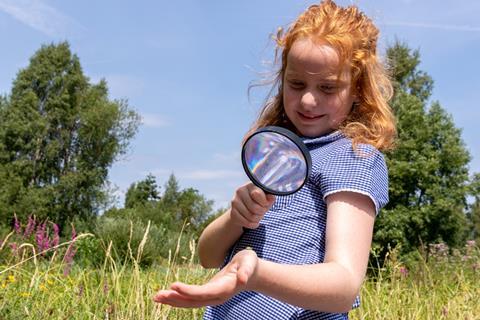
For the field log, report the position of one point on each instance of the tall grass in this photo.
(437, 286)
(31, 288)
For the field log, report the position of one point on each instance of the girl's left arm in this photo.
(330, 286)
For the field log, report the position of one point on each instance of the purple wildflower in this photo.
(71, 250)
(403, 271)
(439, 250)
(74, 233)
(16, 225)
(41, 237)
(30, 227)
(56, 235)
(14, 248)
(445, 311)
(470, 243)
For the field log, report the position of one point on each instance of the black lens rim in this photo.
(292, 137)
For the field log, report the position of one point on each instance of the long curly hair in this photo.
(354, 36)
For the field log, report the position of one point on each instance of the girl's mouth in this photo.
(309, 117)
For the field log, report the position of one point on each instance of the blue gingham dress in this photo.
(293, 230)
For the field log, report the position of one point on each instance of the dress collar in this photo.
(326, 138)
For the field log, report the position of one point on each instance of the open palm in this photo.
(236, 276)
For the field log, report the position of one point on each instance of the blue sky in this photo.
(185, 66)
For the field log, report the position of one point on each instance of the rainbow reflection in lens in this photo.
(275, 162)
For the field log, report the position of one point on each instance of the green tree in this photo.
(59, 134)
(193, 207)
(142, 192)
(428, 170)
(474, 210)
(171, 194)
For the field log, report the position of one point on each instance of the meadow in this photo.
(49, 284)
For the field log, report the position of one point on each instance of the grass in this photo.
(440, 287)
(445, 287)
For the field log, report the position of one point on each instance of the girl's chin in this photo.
(313, 132)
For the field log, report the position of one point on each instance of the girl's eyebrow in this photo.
(327, 77)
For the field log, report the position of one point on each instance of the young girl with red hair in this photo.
(304, 256)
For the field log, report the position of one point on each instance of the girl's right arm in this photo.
(249, 205)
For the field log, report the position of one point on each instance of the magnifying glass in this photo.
(276, 160)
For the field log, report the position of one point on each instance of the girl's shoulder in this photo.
(336, 147)
(339, 165)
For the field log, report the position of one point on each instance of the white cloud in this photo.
(39, 16)
(154, 120)
(434, 26)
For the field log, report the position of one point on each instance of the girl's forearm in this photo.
(215, 241)
(327, 287)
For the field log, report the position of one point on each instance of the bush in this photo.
(160, 242)
(90, 252)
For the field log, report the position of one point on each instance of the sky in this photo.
(186, 66)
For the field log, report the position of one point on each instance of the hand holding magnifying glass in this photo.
(276, 160)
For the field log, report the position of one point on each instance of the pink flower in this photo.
(68, 258)
(470, 243)
(445, 311)
(14, 248)
(403, 271)
(56, 235)
(17, 227)
(41, 237)
(30, 227)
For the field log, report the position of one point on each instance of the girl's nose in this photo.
(308, 100)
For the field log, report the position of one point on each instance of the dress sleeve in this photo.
(363, 170)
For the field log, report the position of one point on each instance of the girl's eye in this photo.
(296, 85)
(328, 88)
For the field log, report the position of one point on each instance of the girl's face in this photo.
(317, 93)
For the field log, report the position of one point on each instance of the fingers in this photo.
(175, 299)
(184, 295)
(242, 275)
(250, 204)
(208, 291)
(230, 280)
(260, 197)
(247, 263)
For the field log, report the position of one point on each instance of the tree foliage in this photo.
(171, 209)
(474, 208)
(142, 192)
(428, 170)
(59, 134)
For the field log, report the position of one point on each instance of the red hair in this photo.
(354, 36)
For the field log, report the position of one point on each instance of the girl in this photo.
(304, 256)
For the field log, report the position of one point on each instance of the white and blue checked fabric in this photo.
(293, 230)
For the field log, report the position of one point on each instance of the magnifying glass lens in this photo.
(275, 163)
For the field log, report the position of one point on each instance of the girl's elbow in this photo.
(341, 304)
(207, 264)
(207, 261)
(347, 305)
(346, 298)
